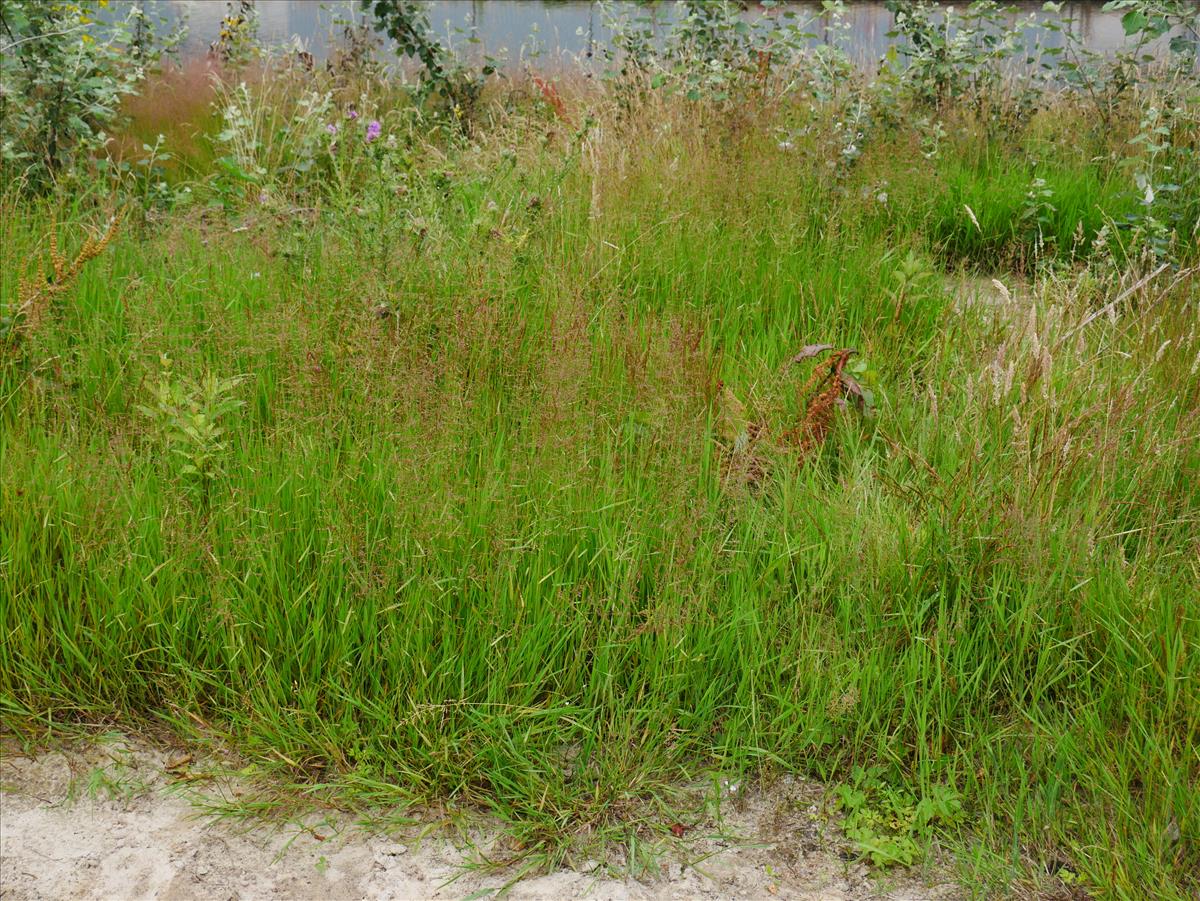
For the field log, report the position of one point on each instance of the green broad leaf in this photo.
(230, 167)
(1134, 21)
(1180, 44)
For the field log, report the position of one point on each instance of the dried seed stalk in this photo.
(818, 416)
(35, 295)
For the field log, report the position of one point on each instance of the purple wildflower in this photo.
(374, 130)
(352, 114)
(332, 128)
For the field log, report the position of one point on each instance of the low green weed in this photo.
(888, 825)
(190, 417)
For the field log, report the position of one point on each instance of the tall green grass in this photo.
(476, 533)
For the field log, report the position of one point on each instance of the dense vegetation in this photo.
(473, 441)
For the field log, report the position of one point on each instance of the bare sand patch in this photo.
(110, 821)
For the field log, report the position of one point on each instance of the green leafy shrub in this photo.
(1106, 80)
(443, 77)
(1165, 170)
(61, 84)
(954, 55)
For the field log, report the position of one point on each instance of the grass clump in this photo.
(466, 414)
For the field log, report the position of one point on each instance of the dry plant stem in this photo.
(35, 296)
(1118, 300)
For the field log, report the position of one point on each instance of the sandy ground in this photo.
(123, 820)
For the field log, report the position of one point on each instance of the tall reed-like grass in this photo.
(475, 534)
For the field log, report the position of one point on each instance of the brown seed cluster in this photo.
(829, 385)
(35, 295)
(750, 447)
